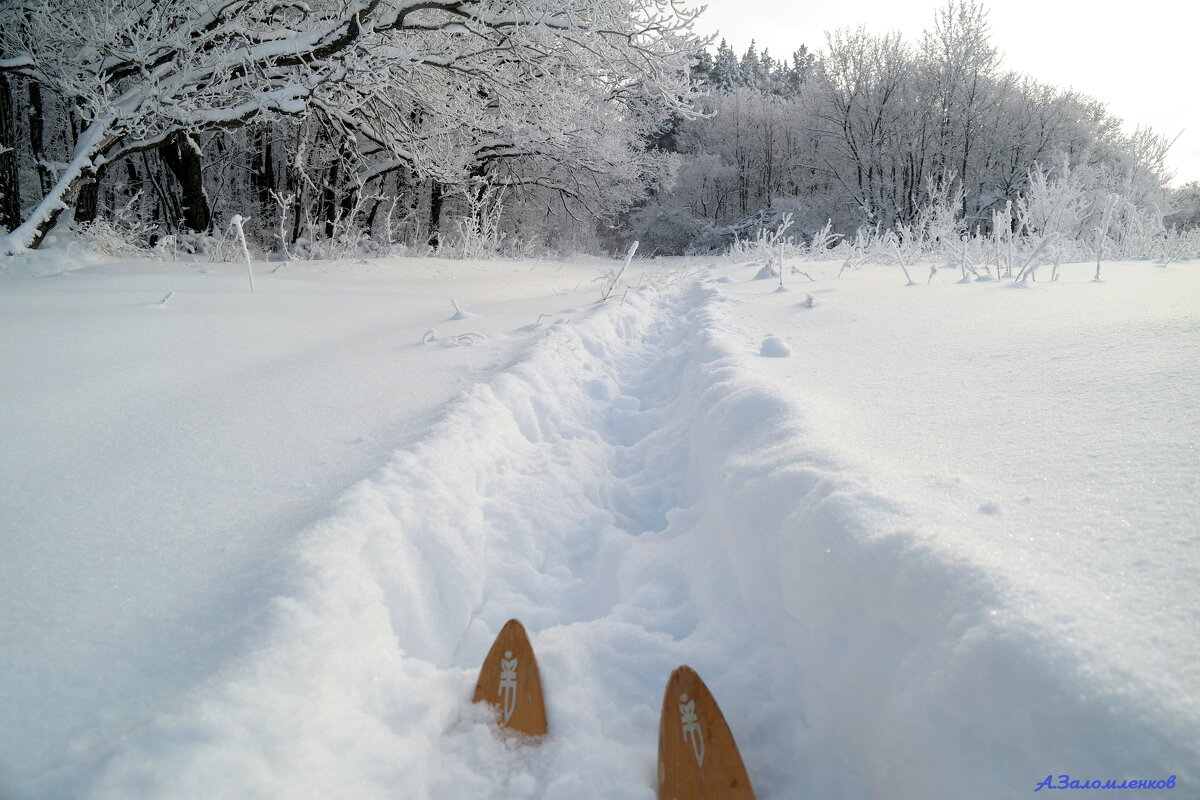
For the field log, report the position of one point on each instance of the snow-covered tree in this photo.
(960, 64)
(1185, 206)
(387, 76)
(726, 69)
(870, 129)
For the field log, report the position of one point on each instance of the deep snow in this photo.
(933, 541)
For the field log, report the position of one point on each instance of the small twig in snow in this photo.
(612, 276)
(235, 223)
(1029, 267)
(900, 259)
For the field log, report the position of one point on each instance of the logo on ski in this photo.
(508, 684)
(498, 683)
(704, 761)
(691, 727)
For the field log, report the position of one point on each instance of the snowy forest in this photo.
(473, 127)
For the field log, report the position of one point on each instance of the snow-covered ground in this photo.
(934, 541)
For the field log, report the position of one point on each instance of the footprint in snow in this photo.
(469, 339)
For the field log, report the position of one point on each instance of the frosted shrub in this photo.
(103, 236)
(1044, 249)
(901, 246)
(123, 233)
(822, 241)
(478, 232)
(1137, 230)
(1059, 203)
(938, 219)
(343, 237)
(934, 227)
(855, 254)
(1177, 245)
(767, 246)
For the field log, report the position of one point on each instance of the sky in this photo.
(1138, 58)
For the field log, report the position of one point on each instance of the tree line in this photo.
(870, 132)
(479, 125)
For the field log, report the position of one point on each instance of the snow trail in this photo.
(639, 501)
(525, 500)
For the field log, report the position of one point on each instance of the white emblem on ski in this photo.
(691, 727)
(508, 684)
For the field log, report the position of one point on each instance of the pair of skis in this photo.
(697, 756)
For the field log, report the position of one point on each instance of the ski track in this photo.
(639, 502)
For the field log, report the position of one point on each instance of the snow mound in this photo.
(766, 272)
(774, 347)
(459, 314)
(50, 260)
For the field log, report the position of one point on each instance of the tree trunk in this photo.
(92, 142)
(263, 172)
(183, 160)
(329, 204)
(369, 224)
(435, 214)
(36, 138)
(87, 200)
(10, 187)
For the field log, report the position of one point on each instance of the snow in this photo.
(258, 545)
(774, 347)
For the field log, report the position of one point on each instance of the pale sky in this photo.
(1141, 58)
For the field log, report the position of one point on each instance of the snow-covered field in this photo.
(921, 542)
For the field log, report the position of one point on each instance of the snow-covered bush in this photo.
(121, 234)
(935, 229)
(1183, 207)
(769, 246)
(478, 231)
(102, 235)
(671, 230)
(1177, 245)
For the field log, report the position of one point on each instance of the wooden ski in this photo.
(697, 757)
(509, 681)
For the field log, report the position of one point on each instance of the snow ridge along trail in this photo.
(639, 501)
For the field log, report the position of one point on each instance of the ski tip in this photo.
(698, 758)
(514, 627)
(510, 682)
